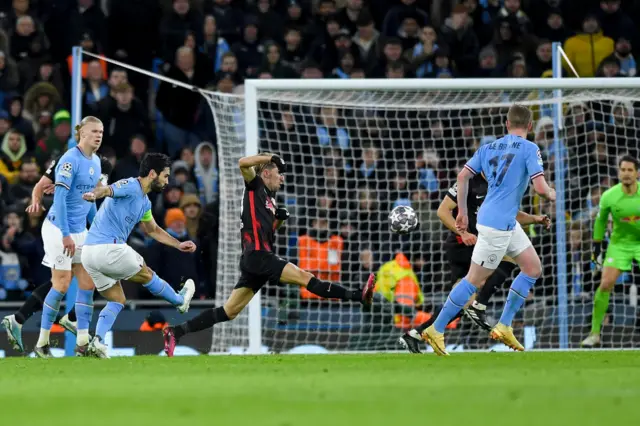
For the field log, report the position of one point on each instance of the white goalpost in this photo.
(356, 148)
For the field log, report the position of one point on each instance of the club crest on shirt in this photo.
(91, 171)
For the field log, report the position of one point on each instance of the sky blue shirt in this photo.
(120, 213)
(509, 164)
(75, 174)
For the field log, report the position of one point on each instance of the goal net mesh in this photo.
(354, 155)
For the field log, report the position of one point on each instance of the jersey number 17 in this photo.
(499, 166)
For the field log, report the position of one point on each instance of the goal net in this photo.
(356, 153)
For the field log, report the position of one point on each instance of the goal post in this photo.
(472, 98)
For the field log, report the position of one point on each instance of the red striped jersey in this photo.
(258, 216)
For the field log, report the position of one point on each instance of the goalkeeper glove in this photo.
(282, 213)
(279, 162)
(596, 254)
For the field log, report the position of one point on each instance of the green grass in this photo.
(586, 388)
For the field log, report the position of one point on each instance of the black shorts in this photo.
(258, 268)
(459, 257)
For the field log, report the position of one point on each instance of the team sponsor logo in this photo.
(630, 219)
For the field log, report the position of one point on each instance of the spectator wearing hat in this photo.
(176, 24)
(12, 154)
(457, 33)
(513, 9)
(174, 267)
(170, 199)
(587, 49)
(41, 97)
(367, 40)
(125, 119)
(48, 72)
(554, 27)
(487, 62)
(295, 16)
(192, 208)
(393, 19)
(9, 74)
(18, 122)
(56, 143)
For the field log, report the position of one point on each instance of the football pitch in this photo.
(556, 388)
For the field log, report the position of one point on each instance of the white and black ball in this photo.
(402, 220)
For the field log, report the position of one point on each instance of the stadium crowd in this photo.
(346, 180)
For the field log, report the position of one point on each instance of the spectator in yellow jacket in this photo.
(586, 50)
(12, 153)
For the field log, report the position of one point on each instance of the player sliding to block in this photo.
(263, 175)
(65, 229)
(13, 323)
(459, 250)
(622, 202)
(508, 164)
(108, 258)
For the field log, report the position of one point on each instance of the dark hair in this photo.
(154, 161)
(105, 166)
(629, 159)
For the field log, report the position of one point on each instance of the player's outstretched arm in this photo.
(533, 219)
(445, 214)
(37, 193)
(462, 221)
(98, 193)
(247, 164)
(151, 228)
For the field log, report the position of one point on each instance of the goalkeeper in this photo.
(623, 203)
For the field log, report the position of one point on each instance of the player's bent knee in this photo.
(607, 285)
(61, 280)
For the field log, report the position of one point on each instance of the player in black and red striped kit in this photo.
(261, 217)
(459, 248)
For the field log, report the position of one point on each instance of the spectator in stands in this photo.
(176, 24)
(9, 74)
(179, 106)
(346, 64)
(20, 123)
(507, 40)
(206, 172)
(88, 44)
(512, 9)
(175, 267)
(229, 67)
(367, 40)
(95, 87)
(249, 50)
(295, 16)
(214, 46)
(117, 77)
(192, 208)
(170, 200)
(181, 173)
(229, 18)
(293, 53)
(487, 62)
(554, 28)
(409, 33)
(609, 67)
(12, 155)
(457, 33)
(270, 23)
(349, 14)
(325, 9)
(130, 165)
(542, 61)
(28, 176)
(202, 63)
(47, 72)
(586, 50)
(5, 123)
(624, 57)
(126, 118)
(615, 23)
(423, 53)
(28, 44)
(41, 97)
(391, 52)
(393, 19)
(273, 64)
(56, 143)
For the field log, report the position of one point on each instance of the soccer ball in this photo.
(402, 220)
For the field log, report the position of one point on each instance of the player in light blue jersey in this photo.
(65, 228)
(508, 165)
(107, 257)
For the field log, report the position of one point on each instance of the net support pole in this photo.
(251, 148)
(76, 117)
(561, 231)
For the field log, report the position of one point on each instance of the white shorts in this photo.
(54, 256)
(107, 264)
(493, 245)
